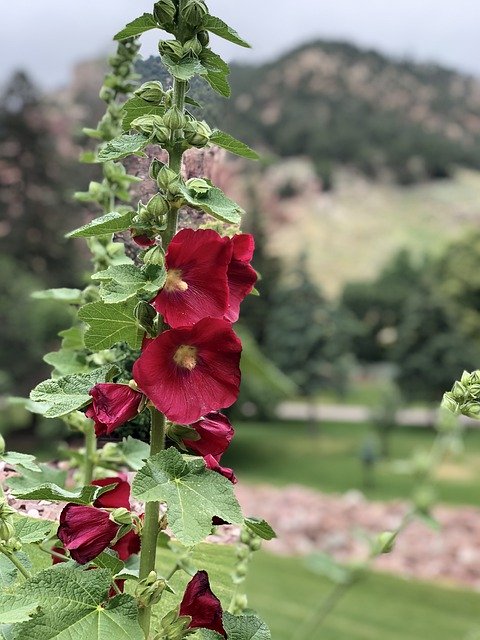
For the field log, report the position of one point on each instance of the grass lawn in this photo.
(381, 607)
(285, 452)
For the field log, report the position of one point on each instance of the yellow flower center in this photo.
(186, 357)
(174, 281)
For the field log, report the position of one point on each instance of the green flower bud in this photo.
(165, 178)
(155, 255)
(465, 379)
(241, 569)
(194, 11)
(197, 134)
(192, 46)
(424, 499)
(449, 403)
(471, 409)
(145, 315)
(158, 206)
(164, 12)
(474, 390)
(204, 38)
(147, 124)
(151, 91)
(162, 134)
(7, 530)
(241, 603)
(2, 445)
(384, 543)
(121, 516)
(255, 544)
(174, 119)
(106, 94)
(458, 391)
(172, 48)
(149, 591)
(155, 168)
(199, 186)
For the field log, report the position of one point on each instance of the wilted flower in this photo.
(215, 433)
(202, 605)
(214, 465)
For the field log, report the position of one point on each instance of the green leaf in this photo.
(109, 223)
(213, 62)
(73, 606)
(68, 393)
(124, 281)
(72, 296)
(72, 338)
(54, 493)
(137, 26)
(221, 29)
(25, 460)
(248, 627)
(193, 494)
(192, 102)
(66, 362)
(228, 142)
(219, 83)
(136, 107)
(12, 613)
(134, 452)
(109, 324)
(261, 528)
(29, 530)
(185, 68)
(214, 202)
(206, 634)
(8, 572)
(123, 146)
(109, 560)
(31, 479)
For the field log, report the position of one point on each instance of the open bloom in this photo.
(213, 464)
(196, 285)
(202, 605)
(241, 275)
(191, 371)
(113, 405)
(87, 531)
(215, 433)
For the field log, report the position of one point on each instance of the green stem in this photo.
(90, 453)
(25, 573)
(152, 511)
(312, 623)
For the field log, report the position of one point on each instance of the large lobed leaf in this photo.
(111, 323)
(193, 494)
(214, 202)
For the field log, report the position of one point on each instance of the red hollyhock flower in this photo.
(143, 241)
(240, 274)
(202, 605)
(215, 433)
(113, 405)
(213, 464)
(85, 531)
(196, 285)
(190, 372)
(117, 497)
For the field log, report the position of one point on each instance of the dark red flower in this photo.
(196, 285)
(117, 497)
(128, 545)
(241, 275)
(215, 433)
(213, 464)
(85, 531)
(190, 372)
(142, 240)
(202, 605)
(113, 405)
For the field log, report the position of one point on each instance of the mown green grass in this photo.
(380, 607)
(286, 452)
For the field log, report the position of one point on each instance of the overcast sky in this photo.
(46, 37)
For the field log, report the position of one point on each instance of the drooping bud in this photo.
(199, 186)
(194, 11)
(174, 118)
(197, 134)
(158, 206)
(164, 12)
(151, 91)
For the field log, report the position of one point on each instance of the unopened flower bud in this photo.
(121, 516)
(241, 569)
(192, 46)
(471, 409)
(146, 124)
(199, 186)
(106, 94)
(165, 178)
(465, 379)
(149, 591)
(2, 445)
(449, 403)
(384, 543)
(172, 48)
(145, 315)
(174, 118)
(204, 38)
(164, 12)
(197, 133)
(158, 206)
(424, 499)
(151, 91)
(458, 391)
(162, 134)
(154, 255)
(194, 11)
(155, 168)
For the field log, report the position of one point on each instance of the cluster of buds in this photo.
(174, 627)
(247, 545)
(464, 398)
(149, 591)
(8, 543)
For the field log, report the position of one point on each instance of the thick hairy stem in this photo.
(152, 510)
(90, 451)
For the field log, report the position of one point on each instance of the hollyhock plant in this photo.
(215, 433)
(214, 464)
(202, 605)
(113, 405)
(240, 274)
(190, 372)
(196, 285)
